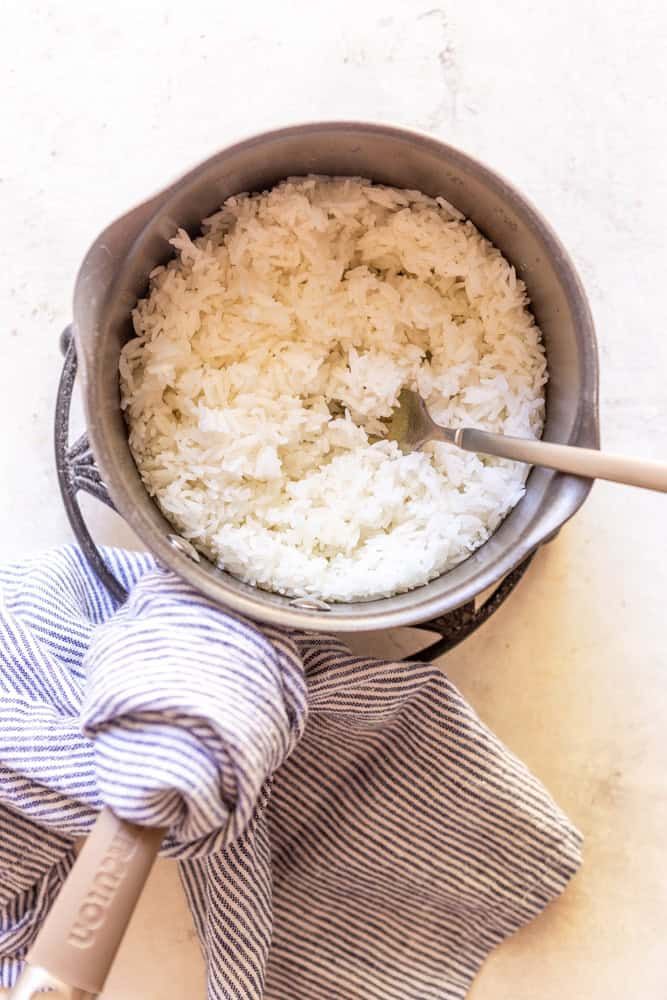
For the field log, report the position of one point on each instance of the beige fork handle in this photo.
(77, 944)
(585, 462)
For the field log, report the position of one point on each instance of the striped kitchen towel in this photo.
(345, 827)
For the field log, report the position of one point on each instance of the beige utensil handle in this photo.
(585, 462)
(76, 946)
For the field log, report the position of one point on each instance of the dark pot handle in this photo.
(76, 469)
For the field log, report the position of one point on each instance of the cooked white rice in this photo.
(267, 354)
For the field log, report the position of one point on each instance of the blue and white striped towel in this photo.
(346, 828)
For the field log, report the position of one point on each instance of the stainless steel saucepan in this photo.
(76, 947)
(115, 272)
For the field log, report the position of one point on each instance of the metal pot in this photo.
(115, 273)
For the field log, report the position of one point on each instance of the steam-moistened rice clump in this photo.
(271, 349)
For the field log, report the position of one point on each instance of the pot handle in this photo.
(78, 941)
(76, 469)
(457, 625)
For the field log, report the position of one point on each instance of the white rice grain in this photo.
(271, 348)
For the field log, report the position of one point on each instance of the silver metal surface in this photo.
(184, 546)
(114, 273)
(34, 981)
(412, 426)
(309, 604)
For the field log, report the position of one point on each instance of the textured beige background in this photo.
(102, 103)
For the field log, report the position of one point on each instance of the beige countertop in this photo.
(102, 103)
